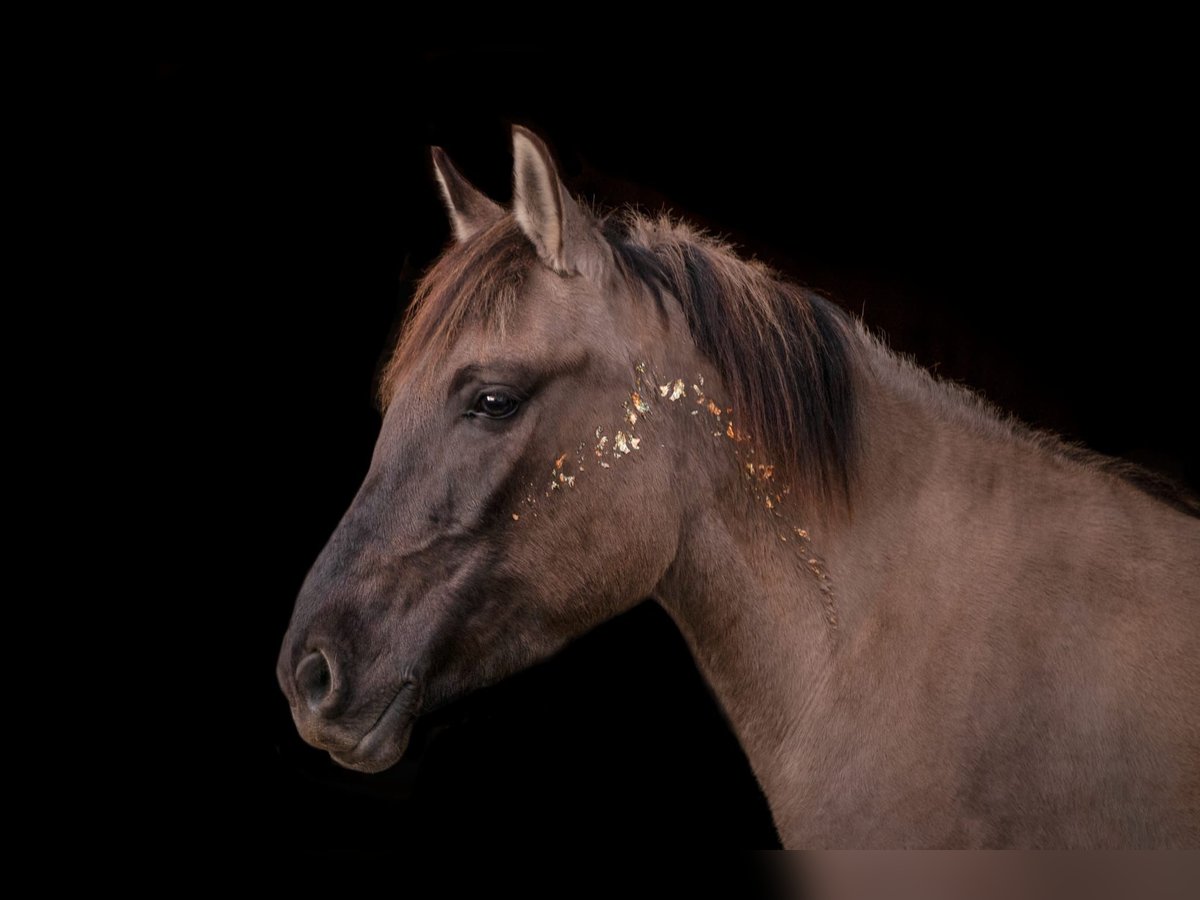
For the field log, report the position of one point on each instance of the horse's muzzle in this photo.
(385, 742)
(366, 736)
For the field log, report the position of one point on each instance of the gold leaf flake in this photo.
(729, 431)
(558, 462)
(635, 442)
(677, 389)
(714, 409)
(638, 403)
(621, 442)
(516, 518)
(664, 389)
(604, 465)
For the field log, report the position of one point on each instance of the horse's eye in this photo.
(495, 405)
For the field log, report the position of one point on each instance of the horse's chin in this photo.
(382, 746)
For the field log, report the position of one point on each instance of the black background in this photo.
(1008, 216)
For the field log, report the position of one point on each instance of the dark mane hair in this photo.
(786, 355)
(782, 351)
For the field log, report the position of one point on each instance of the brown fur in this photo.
(929, 626)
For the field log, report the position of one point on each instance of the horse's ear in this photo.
(470, 209)
(564, 234)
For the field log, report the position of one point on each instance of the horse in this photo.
(928, 624)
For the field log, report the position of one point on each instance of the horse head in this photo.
(523, 486)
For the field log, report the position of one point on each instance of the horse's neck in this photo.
(980, 575)
(756, 627)
(775, 616)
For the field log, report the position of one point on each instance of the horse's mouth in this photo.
(383, 745)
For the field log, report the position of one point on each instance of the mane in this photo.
(788, 357)
(782, 351)
(785, 354)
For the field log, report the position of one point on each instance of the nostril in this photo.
(314, 679)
